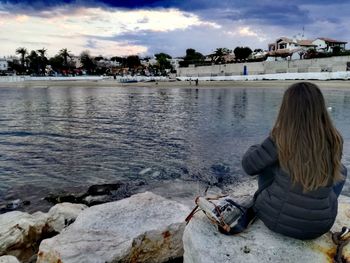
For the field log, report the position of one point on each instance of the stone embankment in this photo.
(149, 228)
(344, 75)
(285, 67)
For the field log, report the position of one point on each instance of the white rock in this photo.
(19, 232)
(203, 243)
(142, 228)
(144, 171)
(8, 259)
(61, 215)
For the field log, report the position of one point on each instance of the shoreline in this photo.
(323, 84)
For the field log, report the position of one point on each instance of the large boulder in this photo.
(62, 215)
(142, 228)
(20, 232)
(8, 259)
(203, 243)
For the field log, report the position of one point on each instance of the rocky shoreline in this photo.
(142, 228)
(146, 227)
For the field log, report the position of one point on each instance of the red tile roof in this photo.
(305, 43)
(332, 40)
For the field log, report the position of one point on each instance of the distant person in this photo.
(196, 82)
(299, 167)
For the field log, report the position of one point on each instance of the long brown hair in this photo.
(309, 146)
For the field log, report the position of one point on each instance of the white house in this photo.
(175, 62)
(76, 61)
(146, 62)
(3, 64)
(283, 48)
(286, 47)
(327, 44)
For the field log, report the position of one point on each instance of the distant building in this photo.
(4, 65)
(76, 61)
(175, 62)
(327, 44)
(294, 48)
(107, 63)
(258, 54)
(147, 62)
(286, 47)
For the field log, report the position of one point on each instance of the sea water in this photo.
(59, 138)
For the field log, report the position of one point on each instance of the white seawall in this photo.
(343, 75)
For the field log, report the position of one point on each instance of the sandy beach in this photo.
(330, 84)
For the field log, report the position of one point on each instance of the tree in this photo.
(311, 53)
(42, 60)
(192, 57)
(15, 66)
(242, 53)
(219, 55)
(87, 62)
(163, 62)
(56, 62)
(120, 60)
(65, 54)
(34, 62)
(336, 50)
(23, 52)
(99, 58)
(133, 61)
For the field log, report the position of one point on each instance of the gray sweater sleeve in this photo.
(259, 156)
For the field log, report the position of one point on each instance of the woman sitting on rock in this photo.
(299, 167)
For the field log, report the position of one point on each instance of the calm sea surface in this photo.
(52, 139)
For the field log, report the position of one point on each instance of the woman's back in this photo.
(298, 166)
(285, 207)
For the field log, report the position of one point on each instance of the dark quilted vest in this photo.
(285, 208)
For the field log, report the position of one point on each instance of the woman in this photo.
(299, 167)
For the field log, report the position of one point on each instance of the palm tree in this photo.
(65, 54)
(42, 52)
(43, 59)
(33, 62)
(219, 54)
(22, 51)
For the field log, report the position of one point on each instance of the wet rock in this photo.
(144, 171)
(20, 232)
(13, 205)
(8, 259)
(203, 242)
(221, 173)
(103, 189)
(62, 215)
(184, 170)
(96, 194)
(220, 169)
(97, 199)
(61, 198)
(142, 228)
(155, 174)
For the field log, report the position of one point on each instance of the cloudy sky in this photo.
(124, 27)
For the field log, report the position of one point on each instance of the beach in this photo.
(328, 84)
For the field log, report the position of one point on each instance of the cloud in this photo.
(85, 28)
(202, 38)
(114, 27)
